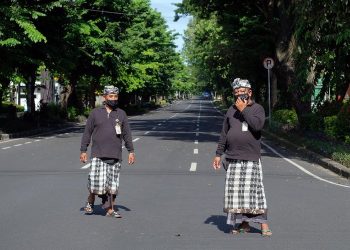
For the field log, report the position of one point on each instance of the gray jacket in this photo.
(100, 127)
(240, 137)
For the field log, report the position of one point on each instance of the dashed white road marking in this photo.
(197, 134)
(146, 133)
(195, 151)
(38, 140)
(301, 168)
(136, 139)
(6, 147)
(85, 166)
(193, 167)
(196, 142)
(28, 142)
(159, 124)
(17, 145)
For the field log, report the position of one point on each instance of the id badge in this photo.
(244, 126)
(118, 129)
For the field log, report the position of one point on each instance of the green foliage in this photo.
(31, 31)
(343, 121)
(72, 113)
(87, 112)
(312, 122)
(6, 106)
(330, 126)
(328, 108)
(285, 116)
(342, 157)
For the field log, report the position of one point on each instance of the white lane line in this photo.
(173, 116)
(10, 140)
(28, 142)
(197, 134)
(146, 133)
(17, 145)
(195, 151)
(193, 167)
(159, 124)
(6, 147)
(38, 140)
(136, 139)
(196, 142)
(301, 168)
(86, 166)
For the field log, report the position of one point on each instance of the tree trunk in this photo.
(30, 88)
(64, 95)
(285, 51)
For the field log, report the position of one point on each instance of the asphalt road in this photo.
(170, 199)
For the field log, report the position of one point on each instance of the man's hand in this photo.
(131, 158)
(83, 157)
(216, 162)
(241, 104)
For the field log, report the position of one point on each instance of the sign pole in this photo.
(268, 64)
(269, 86)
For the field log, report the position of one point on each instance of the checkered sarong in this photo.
(244, 189)
(103, 178)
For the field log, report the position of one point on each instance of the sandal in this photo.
(240, 229)
(266, 233)
(89, 208)
(113, 214)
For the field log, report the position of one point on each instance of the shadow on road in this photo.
(98, 210)
(220, 222)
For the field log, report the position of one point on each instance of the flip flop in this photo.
(266, 233)
(89, 208)
(114, 214)
(240, 229)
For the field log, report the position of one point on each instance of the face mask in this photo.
(242, 96)
(113, 104)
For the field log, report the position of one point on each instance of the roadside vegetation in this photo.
(311, 74)
(85, 45)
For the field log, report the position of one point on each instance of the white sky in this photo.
(166, 8)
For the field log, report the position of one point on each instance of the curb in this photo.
(327, 163)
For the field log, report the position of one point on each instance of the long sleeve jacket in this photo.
(101, 130)
(240, 137)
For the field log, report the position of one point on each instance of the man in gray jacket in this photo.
(240, 140)
(107, 127)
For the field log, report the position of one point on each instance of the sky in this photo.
(166, 8)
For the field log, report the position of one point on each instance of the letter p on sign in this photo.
(268, 63)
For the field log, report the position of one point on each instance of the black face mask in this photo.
(243, 97)
(113, 104)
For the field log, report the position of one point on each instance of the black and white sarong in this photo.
(103, 177)
(244, 192)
